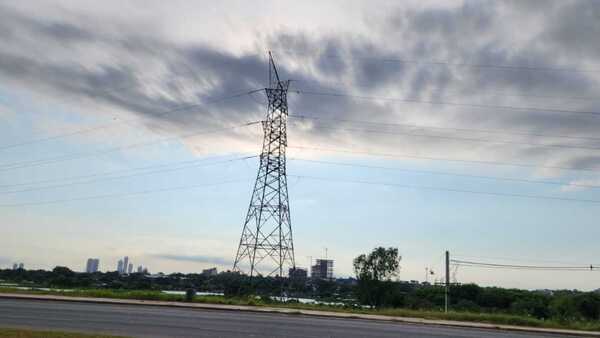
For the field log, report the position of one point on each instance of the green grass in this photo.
(491, 318)
(21, 333)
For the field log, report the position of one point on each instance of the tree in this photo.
(531, 305)
(588, 304)
(563, 308)
(374, 272)
(380, 264)
(63, 277)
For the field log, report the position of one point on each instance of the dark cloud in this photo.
(148, 75)
(585, 161)
(329, 61)
(455, 24)
(574, 29)
(125, 86)
(548, 82)
(64, 32)
(370, 75)
(14, 23)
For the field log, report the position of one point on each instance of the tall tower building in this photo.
(120, 266)
(92, 265)
(323, 269)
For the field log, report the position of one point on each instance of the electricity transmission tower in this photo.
(266, 244)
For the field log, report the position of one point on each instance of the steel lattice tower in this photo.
(266, 244)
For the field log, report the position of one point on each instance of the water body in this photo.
(170, 292)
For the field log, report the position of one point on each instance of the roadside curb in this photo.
(313, 313)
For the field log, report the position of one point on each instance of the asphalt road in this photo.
(150, 321)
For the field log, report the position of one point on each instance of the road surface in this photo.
(151, 321)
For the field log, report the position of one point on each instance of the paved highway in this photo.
(150, 321)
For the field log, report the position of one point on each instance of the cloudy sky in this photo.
(425, 125)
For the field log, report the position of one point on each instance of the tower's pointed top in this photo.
(273, 75)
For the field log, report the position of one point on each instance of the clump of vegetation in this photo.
(374, 271)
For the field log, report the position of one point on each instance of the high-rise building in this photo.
(21, 266)
(142, 269)
(297, 273)
(209, 272)
(125, 266)
(15, 266)
(92, 265)
(323, 269)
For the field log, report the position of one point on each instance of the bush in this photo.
(466, 305)
(563, 309)
(189, 295)
(588, 305)
(535, 307)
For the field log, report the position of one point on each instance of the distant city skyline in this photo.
(125, 266)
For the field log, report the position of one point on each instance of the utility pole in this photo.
(446, 300)
(266, 244)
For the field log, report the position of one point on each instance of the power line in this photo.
(159, 171)
(445, 103)
(591, 268)
(134, 193)
(523, 267)
(421, 187)
(96, 89)
(447, 173)
(117, 122)
(108, 173)
(326, 83)
(512, 259)
(407, 125)
(25, 164)
(467, 139)
(444, 63)
(429, 158)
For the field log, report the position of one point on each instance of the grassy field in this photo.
(21, 333)
(492, 318)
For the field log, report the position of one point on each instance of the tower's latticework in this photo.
(266, 245)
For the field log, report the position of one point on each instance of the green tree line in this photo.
(374, 287)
